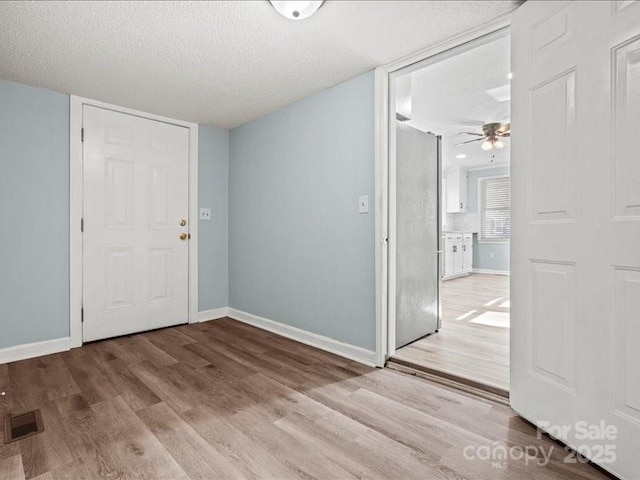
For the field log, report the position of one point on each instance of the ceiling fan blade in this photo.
(474, 140)
(505, 134)
(471, 133)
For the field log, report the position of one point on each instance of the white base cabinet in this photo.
(458, 254)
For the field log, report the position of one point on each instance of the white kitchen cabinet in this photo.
(467, 252)
(458, 254)
(452, 263)
(456, 194)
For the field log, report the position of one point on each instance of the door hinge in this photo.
(82, 134)
(82, 225)
(82, 315)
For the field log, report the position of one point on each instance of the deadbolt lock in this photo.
(183, 222)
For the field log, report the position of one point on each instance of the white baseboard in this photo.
(459, 275)
(352, 352)
(31, 350)
(491, 272)
(214, 314)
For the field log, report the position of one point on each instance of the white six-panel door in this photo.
(575, 175)
(135, 211)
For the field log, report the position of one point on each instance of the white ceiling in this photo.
(457, 95)
(218, 63)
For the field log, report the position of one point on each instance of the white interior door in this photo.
(575, 356)
(135, 263)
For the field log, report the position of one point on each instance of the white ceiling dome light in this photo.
(296, 10)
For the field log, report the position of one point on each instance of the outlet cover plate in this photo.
(205, 214)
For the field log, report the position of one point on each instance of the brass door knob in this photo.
(183, 222)
(183, 236)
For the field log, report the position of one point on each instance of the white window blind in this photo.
(495, 209)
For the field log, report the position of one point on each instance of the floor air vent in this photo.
(17, 427)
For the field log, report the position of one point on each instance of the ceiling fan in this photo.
(492, 134)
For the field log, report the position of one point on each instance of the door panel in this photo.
(160, 197)
(118, 194)
(576, 223)
(119, 277)
(626, 340)
(160, 274)
(553, 142)
(626, 119)
(135, 267)
(417, 234)
(553, 321)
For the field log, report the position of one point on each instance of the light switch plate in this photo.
(363, 203)
(205, 214)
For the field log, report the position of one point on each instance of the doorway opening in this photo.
(450, 215)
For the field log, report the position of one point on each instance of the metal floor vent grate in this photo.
(17, 427)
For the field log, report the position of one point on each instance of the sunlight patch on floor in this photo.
(492, 319)
(466, 315)
(495, 300)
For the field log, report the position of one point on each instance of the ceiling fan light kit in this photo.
(492, 143)
(491, 136)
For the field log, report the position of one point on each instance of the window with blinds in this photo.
(495, 209)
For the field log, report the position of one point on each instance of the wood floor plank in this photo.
(198, 459)
(302, 457)
(11, 468)
(83, 429)
(88, 371)
(130, 445)
(249, 456)
(226, 400)
(25, 390)
(131, 389)
(6, 395)
(167, 385)
(339, 448)
(48, 450)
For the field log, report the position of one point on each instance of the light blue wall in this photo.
(213, 193)
(34, 214)
(300, 253)
(482, 252)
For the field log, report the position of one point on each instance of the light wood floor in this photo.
(225, 400)
(464, 349)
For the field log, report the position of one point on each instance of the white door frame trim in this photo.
(384, 179)
(76, 202)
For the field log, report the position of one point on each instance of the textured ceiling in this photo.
(218, 63)
(455, 95)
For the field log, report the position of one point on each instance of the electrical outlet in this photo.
(491, 255)
(205, 214)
